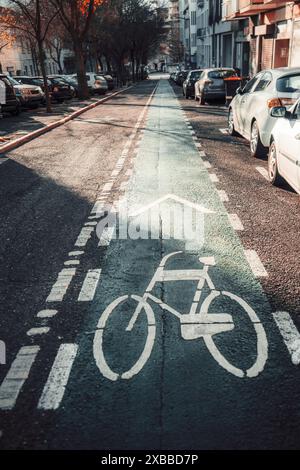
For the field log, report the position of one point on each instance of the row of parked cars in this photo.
(25, 91)
(265, 111)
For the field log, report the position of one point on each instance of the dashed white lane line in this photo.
(207, 164)
(202, 153)
(106, 236)
(255, 263)
(41, 330)
(223, 195)
(16, 376)
(235, 222)
(224, 131)
(263, 172)
(72, 262)
(84, 236)
(60, 287)
(90, 224)
(213, 178)
(198, 145)
(290, 334)
(54, 389)
(107, 187)
(47, 313)
(76, 253)
(89, 285)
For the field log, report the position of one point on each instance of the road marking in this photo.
(224, 131)
(60, 287)
(106, 236)
(107, 187)
(123, 185)
(98, 207)
(84, 236)
(16, 376)
(214, 178)
(193, 132)
(223, 195)
(235, 222)
(115, 173)
(255, 263)
(263, 172)
(202, 153)
(129, 172)
(55, 387)
(41, 330)
(47, 313)
(290, 334)
(72, 262)
(198, 145)
(90, 224)
(89, 285)
(75, 253)
(207, 164)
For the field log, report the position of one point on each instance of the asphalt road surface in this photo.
(169, 321)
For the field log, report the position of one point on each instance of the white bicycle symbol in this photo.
(194, 325)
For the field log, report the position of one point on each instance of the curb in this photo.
(32, 135)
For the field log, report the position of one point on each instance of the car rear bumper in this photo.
(211, 94)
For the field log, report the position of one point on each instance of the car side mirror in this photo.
(279, 112)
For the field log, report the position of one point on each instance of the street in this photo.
(109, 340)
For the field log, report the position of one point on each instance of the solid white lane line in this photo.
(16, 376)
(76, 253)
(72, 262)
(255, 263)
(89, 285)
(106, 236)
(60, 287)
(214, 178)
(263, 172)
(223, 195)
(235, 222)
(84, 236)
(290, 334)
(55, 387)
(41, 330)
(47, 313)
(224, 131)
(207, 164)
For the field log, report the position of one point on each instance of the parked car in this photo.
(37, 81)
(61, 90)
(211, 86)
(181, 76)
(188, 86)
(96, 83)
(249, 111)
(284, 152)
(110, 81)
(30, 96)
(12, 104)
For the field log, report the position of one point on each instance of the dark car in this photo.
(12, 104)
(211, 86)
(181, 77)
(61, 90)
(188, 86)
(109, 79)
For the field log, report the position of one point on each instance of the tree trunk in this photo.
(43, 69)
(83, 91)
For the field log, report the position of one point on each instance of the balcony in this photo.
(234, 9)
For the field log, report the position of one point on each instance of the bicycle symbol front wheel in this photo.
(261, 339)
(98, 345)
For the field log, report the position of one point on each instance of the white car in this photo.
(284, 152)
(96, 82)
(249, 111)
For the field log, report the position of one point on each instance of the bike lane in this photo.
(183, 398)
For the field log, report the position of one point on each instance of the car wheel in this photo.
(273, 172)
(256, 147)
(231, 129)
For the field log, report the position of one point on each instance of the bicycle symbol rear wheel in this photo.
(261, 339)
(99, 355)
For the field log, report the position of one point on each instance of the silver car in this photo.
(210, 85)
(249, 112)
(30, 96)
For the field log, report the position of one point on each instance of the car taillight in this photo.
(273, 102)
(55, 89)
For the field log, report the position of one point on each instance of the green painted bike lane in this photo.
(183, 397)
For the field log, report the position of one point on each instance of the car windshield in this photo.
(289, 84)
(13, 81)
(221, 73)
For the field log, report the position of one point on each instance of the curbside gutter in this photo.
(32, 135)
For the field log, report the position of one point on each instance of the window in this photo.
(249, 86)
(288, 84)
(193, 40)
(193, 18)
(221, 73)
(263, 82)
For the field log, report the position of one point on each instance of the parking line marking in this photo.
(55, 387)
(89, 285)
(255, 263)
(16, 376)
(263, 172)
(223, 195)
(290, 334)
(42, 330)
(106, 236)
(214, 178)
(235, 222)
(47, 313)
(84, 236)
(60, 287)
